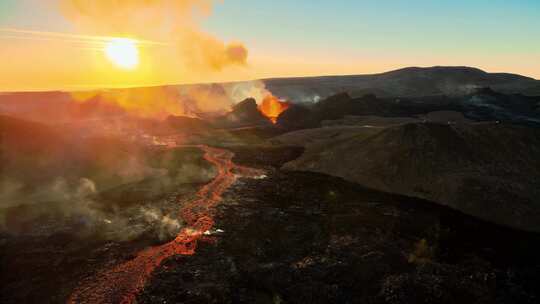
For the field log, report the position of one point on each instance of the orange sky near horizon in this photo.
(65, 55)
(60, 65)
(53, 65)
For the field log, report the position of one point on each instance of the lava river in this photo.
(122, 283)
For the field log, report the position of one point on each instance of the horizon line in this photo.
(85, 88)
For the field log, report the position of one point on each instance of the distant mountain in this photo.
(37, 106)
(407, 82)
(404, 92)
(56, 107)
(487, 170)
(480, 104)
(209, 98)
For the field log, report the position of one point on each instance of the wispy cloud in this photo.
(80, 40)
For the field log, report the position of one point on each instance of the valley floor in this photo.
(309, 238)
(296, 237)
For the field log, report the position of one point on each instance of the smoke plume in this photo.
(173, 22)
(184, 100)
(156, 102)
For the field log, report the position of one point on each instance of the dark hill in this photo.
(243, 114)
(490, 171)
(481, 104)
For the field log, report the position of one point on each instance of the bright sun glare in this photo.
(123, 52)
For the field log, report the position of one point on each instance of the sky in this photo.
(281, 38)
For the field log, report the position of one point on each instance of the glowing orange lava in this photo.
(122, 283)
(272, 107)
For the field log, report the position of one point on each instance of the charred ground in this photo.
(290, 236)
(304, 237)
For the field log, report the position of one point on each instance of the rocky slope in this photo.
(300, 237)
(490, 171)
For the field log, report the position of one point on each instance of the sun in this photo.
(123, 52)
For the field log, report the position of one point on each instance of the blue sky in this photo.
(477, 25)
(492, 25)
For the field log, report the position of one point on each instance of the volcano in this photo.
(272, 107)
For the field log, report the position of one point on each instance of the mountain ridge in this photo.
(407, 69)
(405, 82)
(486, 170)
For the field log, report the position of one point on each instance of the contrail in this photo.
(77, 44)
(12, 33)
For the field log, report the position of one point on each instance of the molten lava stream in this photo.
(122, 283)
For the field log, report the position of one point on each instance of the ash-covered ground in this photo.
(297, 237)
(47, 249)
(291, 237)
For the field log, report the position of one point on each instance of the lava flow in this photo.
(272, 107)
(122, 283)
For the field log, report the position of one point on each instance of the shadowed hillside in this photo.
(486, 170)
